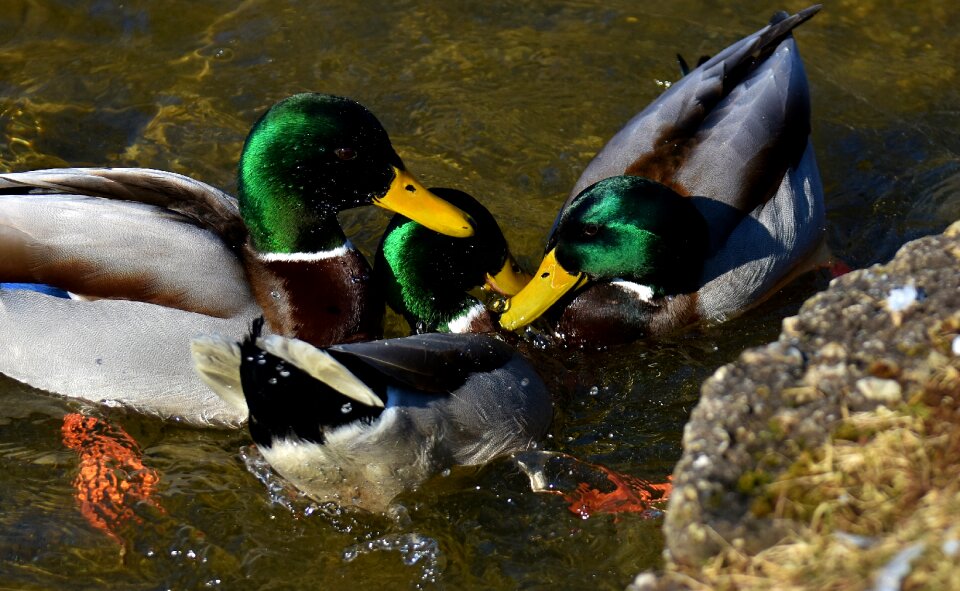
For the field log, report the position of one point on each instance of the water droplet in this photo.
(594, 390)
(346, 408)
(272, 381)
(261, 361)
(275, 295)
(445, 472)
(248, 358)
(525, 382)
(284, 373)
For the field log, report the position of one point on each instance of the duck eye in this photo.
(590, 230)
(345, 153)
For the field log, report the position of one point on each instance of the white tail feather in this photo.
(216, 360)
(322, 366)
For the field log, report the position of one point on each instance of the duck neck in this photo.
(310, 282)
(323, 298)
(432, 308)
(422, 278)
(283, 224)
(473, 318)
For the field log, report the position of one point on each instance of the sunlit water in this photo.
(506, 100)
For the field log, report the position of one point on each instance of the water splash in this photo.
(284, 494)
(416, 550)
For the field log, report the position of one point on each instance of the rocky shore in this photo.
(831, 457)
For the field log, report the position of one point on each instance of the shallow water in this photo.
(508, 101)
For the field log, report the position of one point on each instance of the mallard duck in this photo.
(427, 277)
(359, 423)
(175, 258)
(706, 202)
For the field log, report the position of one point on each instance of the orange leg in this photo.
(112, 476)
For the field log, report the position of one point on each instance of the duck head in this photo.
(427, 276)
(623, 228)
(312, 155)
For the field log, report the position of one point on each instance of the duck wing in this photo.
(107, 248)
(475, 395)
(777, 241)
(727, 131)
(130, 354)
(206, 205)
(430, 363)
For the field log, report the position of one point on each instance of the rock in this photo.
(867, 351)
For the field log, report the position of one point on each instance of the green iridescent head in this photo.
(308, 157)
(313, 155)
(636, 229)
(623, 227)
(426, 276)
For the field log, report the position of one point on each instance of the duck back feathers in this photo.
(727, 131)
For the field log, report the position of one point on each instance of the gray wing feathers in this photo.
(205, 204)
(742, 149)
(697, 102)
(685, 97)
(788, 228)
(500, 412)
(119, 249)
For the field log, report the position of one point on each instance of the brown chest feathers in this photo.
(323, 300)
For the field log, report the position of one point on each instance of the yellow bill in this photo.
(549, 284)
(509, 280)
(408, 197)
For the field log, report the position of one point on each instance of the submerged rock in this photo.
(815, 461)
